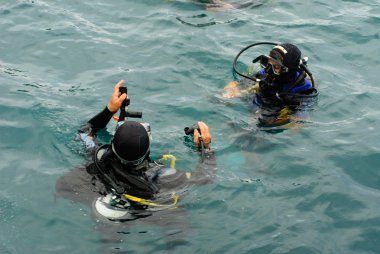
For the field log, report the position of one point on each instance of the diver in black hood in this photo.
(120, 178)
(284, 82)
(283, 78)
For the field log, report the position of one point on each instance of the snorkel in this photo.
(302, 64)
(241, 52)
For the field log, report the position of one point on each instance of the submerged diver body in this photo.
(284, 88)
(120, 181)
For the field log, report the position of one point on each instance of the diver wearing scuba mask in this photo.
(284, 76)
(120, 177)
(283, 88)
(283, 79)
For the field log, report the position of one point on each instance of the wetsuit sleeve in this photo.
(88, 131)
(101, 120)
(205, 171)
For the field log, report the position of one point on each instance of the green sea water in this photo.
(310, 189)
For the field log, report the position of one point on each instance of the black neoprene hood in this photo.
(293, 56)
(131, 141)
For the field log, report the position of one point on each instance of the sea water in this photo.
(311, 188)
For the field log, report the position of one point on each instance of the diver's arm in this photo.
(100, 121)
(206, 169)
(87, 132)
(171, 178)
(232, 90)
(244, 87)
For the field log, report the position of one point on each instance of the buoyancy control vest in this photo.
(280, 93)
(117, 177)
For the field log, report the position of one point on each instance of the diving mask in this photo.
(270, 62)
(127, 162)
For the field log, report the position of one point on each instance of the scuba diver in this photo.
(282, 87)
(120, 180)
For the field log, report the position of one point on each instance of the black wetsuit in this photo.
(149, 180)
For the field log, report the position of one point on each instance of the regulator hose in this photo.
(244, 49)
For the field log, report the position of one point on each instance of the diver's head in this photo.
(131, 143)
(284, 58)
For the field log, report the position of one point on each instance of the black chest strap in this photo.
(117, 177)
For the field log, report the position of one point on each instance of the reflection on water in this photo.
(204, 20)
(224, 5)
(200, 17)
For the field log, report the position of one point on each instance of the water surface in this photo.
(314, 189)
